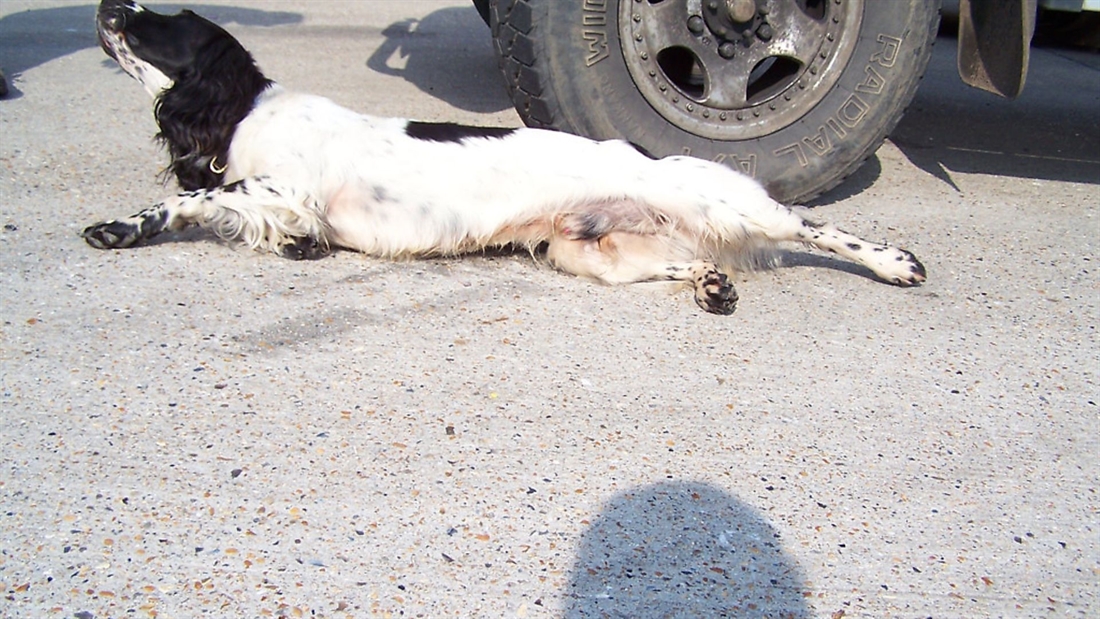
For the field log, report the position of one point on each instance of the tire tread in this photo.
(513, 23)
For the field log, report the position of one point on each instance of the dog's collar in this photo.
(215, 168)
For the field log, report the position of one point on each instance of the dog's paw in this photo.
(715, 294)
(112, 234)
(899, 267)
(303, 248)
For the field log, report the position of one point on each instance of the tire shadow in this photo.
(683, 549)
(449, 55)
(862, 179)
(1051, 132)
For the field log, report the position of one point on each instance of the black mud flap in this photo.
(994, 43)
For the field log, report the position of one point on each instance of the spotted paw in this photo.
(111, 234)
(303, 248)
(715, 294)
(903, 270)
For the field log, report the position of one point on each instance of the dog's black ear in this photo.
(198, 115)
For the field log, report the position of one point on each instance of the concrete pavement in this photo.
(188, 429)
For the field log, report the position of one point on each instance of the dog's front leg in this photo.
(253, 211)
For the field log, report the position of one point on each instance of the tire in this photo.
(797, 96)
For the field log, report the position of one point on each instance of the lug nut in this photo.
(741, 11)
(696, 24)
(764, 32)
(727, 50)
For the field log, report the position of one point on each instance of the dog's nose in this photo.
(112, 14)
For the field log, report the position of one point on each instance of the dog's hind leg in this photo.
(892, 264)
(733, 213)
(252, 211)
(623, 258)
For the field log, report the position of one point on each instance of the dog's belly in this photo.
(368, 219)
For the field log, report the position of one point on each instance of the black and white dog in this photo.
(297, 175)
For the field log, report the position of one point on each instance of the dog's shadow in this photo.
(32, 38)
(429, 53)
(793, 258)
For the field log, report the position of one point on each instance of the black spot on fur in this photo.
(451, 132)
(153, 222)
(589, 226)
(855, 246)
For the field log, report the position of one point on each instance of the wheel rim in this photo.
(736, 69)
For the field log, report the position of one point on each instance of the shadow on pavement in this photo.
(857, 183)
(682, 549)
(1052, 132)
(448, 55)
(31, 38)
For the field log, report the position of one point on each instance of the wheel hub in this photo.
(730, 20)
(736, 69)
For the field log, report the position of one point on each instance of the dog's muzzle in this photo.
(111, 18)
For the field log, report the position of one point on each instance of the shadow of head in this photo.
(683, 549)
(447, 54)
(32, 38)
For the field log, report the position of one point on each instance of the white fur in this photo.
(401, 195)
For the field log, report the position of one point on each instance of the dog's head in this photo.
(156, 49)
(203, 80)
